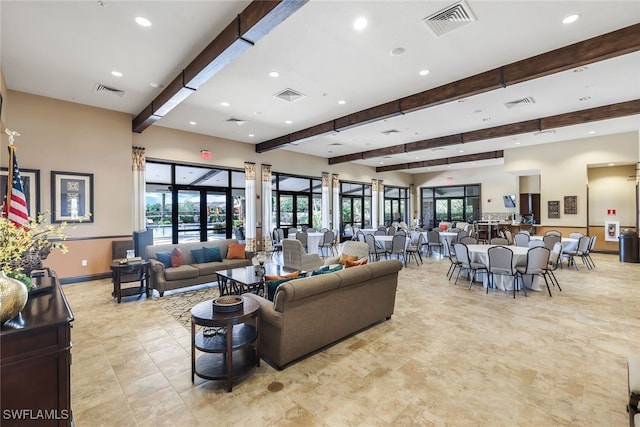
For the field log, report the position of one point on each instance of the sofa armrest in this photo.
(267, 311)
(157, 275)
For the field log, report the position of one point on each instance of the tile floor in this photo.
(449, 356)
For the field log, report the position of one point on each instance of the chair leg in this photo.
(544, 276)
(556, 280)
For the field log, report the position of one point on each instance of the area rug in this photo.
(179, 303)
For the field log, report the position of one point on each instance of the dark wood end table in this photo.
(228, 342)
(140, 271)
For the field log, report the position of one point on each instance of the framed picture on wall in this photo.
(71, 197)
(570, 205)
(553, 209)
(30, 186)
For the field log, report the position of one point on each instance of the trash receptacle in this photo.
(629, 246)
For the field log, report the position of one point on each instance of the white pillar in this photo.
(250, 211)
(326, 218)
(374, 203)
(336, 204)
(267, 209)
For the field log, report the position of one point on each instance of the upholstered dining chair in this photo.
(375, 250)
(277, 241)
(303, 237)
(521, 239)
(550, 240)
(592, 244)
(453, 259)
(499, 241)
(398, 244)
(537, 264)
(580, 251)
(433, 241)
(327, 242)
(294, 256)
(468, 240)
(575, 235)
(554, 258)
(537, 243)
(462, 254)
(414, 250)
(501, 264)
(553, 233)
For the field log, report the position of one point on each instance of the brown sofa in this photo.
(312, 312)
(190, 273)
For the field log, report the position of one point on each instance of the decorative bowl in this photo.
(227, 304)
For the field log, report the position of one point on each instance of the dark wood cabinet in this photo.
(35, 361)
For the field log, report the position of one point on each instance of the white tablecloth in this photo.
(568, 244)
(313, 240)
(480, 254)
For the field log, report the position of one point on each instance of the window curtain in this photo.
(336, 205)
(139, 188)
(381, 202)
(267, 209)
(326, 218)
(250, 212)
(374, 203)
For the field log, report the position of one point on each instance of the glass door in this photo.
(201, 215)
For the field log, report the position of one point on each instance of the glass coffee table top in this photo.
(237, 281)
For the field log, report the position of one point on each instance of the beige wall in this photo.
(610, 188)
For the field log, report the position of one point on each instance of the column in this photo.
(336, 204)
(267, 209)
(250, 212)
(374, 203)
(139, 188)
(381, 201)
(326, 218)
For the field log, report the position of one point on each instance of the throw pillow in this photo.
(272, 286)
(177, 259)
(236, 251)
(284, 276)
(320, 270)
(164, 258)
(348, 263)
(345, 257)
(334, 269)
(212, 254)
(198, 255)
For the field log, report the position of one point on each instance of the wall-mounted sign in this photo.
(611, 231)
(611, 211)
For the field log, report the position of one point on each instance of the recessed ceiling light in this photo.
(193, 123)
(116, 73)
(288, 122)
(257, 113)
(274, 74)
(142, 21)
(382, 163)
(360, 23)
(225, 104)
(570, 19)
(423, 72)
(397, 51)
(473, 163)
(460, 151)
(517, 143)
(342, 102)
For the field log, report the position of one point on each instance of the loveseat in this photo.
(166, 277)
(310, 313)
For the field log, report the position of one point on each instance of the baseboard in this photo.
(87, 278)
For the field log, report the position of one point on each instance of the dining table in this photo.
(480, 254)
(313, 240)
(568, 243)
(446, 237)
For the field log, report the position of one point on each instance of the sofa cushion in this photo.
(212, 254)
(236, 251)
(198, 255)
(177, 259)
(164, 258)
(236, 263)
(182, 272)
(348, 263)
(207, 268)
(344, 258)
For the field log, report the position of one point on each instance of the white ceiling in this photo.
(63, 49)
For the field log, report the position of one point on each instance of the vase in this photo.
(13, 297)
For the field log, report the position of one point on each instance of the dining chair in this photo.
(398, 243)
(554, 258)
(537, 243)
(553, 233)
(277, 242)
(592, 244)
(537, 264)
(575, 235)
(454, 261)
(550, 240)
(303, 237)
(327, 242)
(580, 251)
(380, 232)
(462, 254)
(499, 241)
(508, 236)
(374, 249)
(525, 232)
(291, 230)
(501, 264)
(521, 239)
(468, 240)
(415, 248)
(391, 230)
(433, 241)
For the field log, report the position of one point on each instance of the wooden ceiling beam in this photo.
(443, 161)
(256, 20)
(610, 45)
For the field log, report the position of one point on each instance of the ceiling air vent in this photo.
(100, 88)
(289, 95)
(390, 131)
(236, 121)
(520, 102)
(449, 19)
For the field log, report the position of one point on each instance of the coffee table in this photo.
(237, 281)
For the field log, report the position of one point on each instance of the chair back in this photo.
(521, 239)
(583, 244)
(433, 237)
(292, 230)
(461, 234)
(575, 235)
(553, 233)
(525, 232)
(303, 237)
(327, 238)
(550, 240)
(592, 242)
(391, 230)
(537, 260)
(462, 254)
(292, 252)
(280, 234)
(379, 232)
(537, 243)
(274, 236)
(360, 236)
(554, 256)
(500, 260)
(468, 240)
(508, 236)
(499, 241)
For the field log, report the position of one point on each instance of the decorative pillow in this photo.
(272, 286)
(320, 270)
(334, 269)
(164, 258)
(212, 254)
(345, 257)
(284, 276)
(236, 251)
(348, 263)
(198, 255)
(177, 259)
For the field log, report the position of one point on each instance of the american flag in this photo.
(15, 203)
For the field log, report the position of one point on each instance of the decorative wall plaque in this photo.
(553, 209)
(570, 205)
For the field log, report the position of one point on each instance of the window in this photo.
(450, 204)
(396, 202)
(297, 201)
(355, 205)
